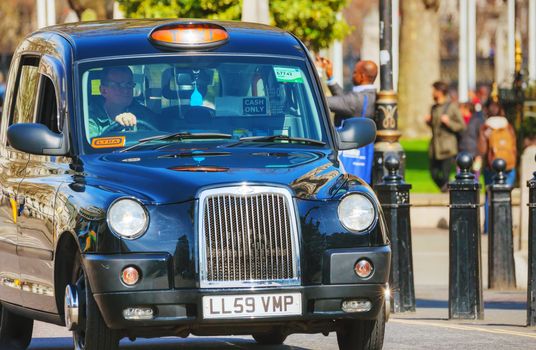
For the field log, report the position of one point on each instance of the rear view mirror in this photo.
(355, 133)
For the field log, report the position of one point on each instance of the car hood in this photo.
(178, 175)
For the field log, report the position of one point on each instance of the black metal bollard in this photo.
(393, 194)
(501, 268)
(531, 291)
(465, 272)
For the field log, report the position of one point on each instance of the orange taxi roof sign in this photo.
(188, 35)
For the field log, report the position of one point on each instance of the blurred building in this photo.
(491, 38)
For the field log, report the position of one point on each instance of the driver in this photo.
(117, 103)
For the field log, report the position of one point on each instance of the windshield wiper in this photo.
(282, 138)
(179, 136)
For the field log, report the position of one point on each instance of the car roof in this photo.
(91, 40)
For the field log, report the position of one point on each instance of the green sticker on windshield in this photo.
(95, 87)
(288, 75)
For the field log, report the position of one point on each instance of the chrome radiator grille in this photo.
(248, 237)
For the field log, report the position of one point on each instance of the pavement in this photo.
(504, 310)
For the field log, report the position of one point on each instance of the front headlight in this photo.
(127, 218)
(356, 212)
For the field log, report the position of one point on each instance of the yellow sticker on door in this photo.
(108, 142)
(14, 209)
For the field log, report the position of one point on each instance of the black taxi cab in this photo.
(177, 177)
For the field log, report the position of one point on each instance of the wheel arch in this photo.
(66, 250)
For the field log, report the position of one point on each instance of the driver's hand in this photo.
(126, 119)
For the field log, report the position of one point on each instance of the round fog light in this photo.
(363, 268)
(130, 276)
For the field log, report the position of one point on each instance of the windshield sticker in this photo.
(95, 87)
(108, 142)
(254, 105)
(288, 75)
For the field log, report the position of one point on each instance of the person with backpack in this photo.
(497, 139)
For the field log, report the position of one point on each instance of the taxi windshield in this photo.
(227, 98)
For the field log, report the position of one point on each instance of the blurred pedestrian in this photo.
(468, 141)
(453, 95)
(483, 93)
(497, 139)
(446, 122)
(466, 110)
(360, 102)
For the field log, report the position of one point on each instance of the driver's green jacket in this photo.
(99, 120)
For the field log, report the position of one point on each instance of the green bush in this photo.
(417, 169)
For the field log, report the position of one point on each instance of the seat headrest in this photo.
(178, 83)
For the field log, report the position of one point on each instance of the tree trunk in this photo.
(419, 64)
(104, 9)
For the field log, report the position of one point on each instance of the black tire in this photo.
(362, 334)
(15, 330)
(271, 338)
(92, 332)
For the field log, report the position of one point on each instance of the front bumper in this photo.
(182, 308)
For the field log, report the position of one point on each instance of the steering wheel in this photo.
(116, 127)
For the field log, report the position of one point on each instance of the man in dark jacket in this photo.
(446, 122)
(116, 103)
(357, 103)
(362, 95)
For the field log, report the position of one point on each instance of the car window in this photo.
(240, 96)
(26, 93)
(47, 110)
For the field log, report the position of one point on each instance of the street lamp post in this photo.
(386, 103)
(389, 155)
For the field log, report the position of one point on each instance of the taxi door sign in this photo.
(108, 142)
(254, 105)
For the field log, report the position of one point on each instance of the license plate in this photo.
(247, 306)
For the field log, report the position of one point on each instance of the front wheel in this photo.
(15, 330)
(91, 332)
(362, 334)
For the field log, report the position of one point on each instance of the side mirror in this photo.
(355, 133)
(36, 139)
